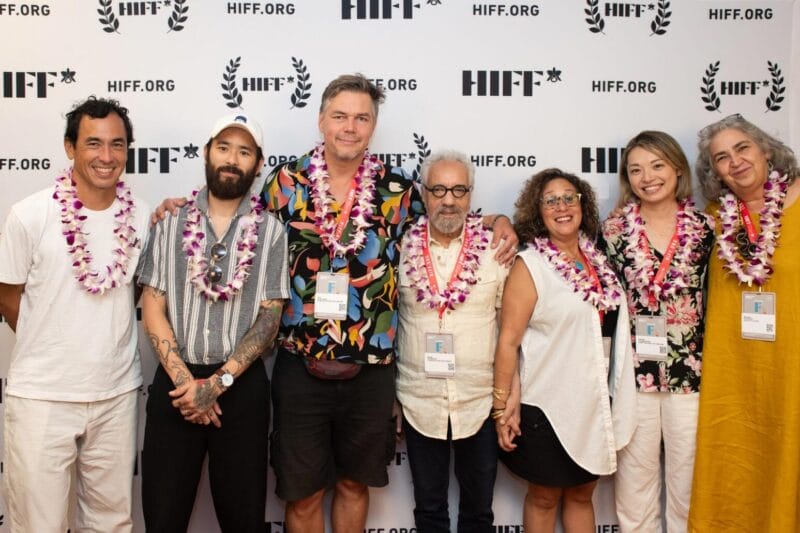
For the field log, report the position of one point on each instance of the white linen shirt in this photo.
(465, 399)
(563, 371)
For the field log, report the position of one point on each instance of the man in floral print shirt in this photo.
(344, 213)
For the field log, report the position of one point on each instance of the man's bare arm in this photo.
(10, 296)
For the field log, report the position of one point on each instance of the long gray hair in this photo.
(782, 157)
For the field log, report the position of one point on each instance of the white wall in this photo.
(589, 92)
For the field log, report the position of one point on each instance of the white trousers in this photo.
(45, 442)
(637, 482)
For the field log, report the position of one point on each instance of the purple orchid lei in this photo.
(758, 268)
(324, 220)
(194, 245)
(581, 282)
(476, 240)
(689, 230)
(91, 280)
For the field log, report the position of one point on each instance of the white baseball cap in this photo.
(239, 121)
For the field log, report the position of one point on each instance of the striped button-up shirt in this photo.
(208, 332)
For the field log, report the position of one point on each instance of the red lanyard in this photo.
(595, 280)
(748, 222)
(672, 247)
(426, 254)
(344, 215)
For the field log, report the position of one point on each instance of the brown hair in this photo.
(668, 149)
(357, 83)
(528, 221)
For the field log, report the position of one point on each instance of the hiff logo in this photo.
(25, 10)
(600, 159)
(143, 160)
(30, 84)
(712, 97)
(109, 19)
(398, 159)
(505, 82)
(257, 8)
(596, 11)
(271, 83)
(382, 9)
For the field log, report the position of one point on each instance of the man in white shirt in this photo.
(67, 260)
(451, 288)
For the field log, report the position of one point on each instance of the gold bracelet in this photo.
(500, 394)
(497, 413)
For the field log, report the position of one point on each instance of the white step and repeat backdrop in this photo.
(518, 85)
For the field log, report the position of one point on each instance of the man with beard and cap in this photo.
(451, 288)
(215, 278)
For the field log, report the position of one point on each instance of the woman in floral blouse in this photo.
(659, 244)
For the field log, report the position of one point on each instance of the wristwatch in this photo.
(225, 378)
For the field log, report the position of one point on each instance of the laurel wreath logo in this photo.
(662, 18)
(231, 93)
(709, 91)
(301, 91)
(107, 18)
(178, 16)
(776, 92)
(595, 19)
(422, 152)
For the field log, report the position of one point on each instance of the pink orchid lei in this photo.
(690, 234)
(581, 281)
(324, 220)
(758, 268)
(94, 282)
(194, 245)
(476, 239)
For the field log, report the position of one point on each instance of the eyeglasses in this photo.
(439, 191)
(213, 271)
(568, 198)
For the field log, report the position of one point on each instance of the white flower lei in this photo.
(194, 245)
(66, 194)
(758, 268)
(475, 239)
(644, 265)
(610, 294)
(324, 220)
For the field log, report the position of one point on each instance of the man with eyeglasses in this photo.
(215, 279)
(451, 288)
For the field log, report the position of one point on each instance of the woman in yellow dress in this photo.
(747, 465)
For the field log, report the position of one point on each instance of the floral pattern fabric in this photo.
(367, 334)
(681, 371)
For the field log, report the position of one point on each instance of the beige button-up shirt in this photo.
(466, 398)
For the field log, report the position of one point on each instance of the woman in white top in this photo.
(564, 312)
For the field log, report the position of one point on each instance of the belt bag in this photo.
(331, 368)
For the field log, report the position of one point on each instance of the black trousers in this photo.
(174, 451)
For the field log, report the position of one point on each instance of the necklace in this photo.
(688, 231)
(758, 267)
(194, 245)
(414, 244)
(362, 196)
(608, 296)
(66, 194)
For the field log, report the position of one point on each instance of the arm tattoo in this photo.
(260, 336)
(155, 293)
(163, 357)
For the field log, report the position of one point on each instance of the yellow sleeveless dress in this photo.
(747, 466)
